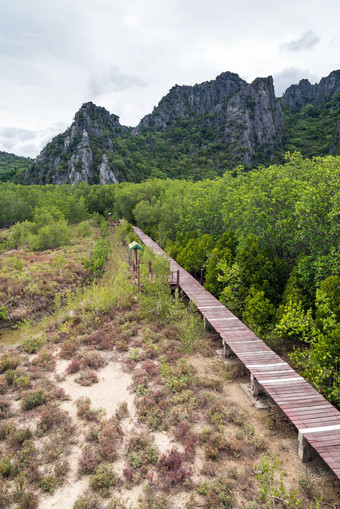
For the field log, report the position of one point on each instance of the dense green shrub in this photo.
(32, 399)
(51, 236)
(99, 256)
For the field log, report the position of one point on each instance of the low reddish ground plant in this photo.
(89, 460)
(172, 470)
(74, 366)
(86, 378)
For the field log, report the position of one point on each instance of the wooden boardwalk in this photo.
(317, 421)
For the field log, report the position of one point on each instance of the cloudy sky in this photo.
(126, 54)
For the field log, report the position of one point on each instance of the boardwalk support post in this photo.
(305, 449)
(226, 350)
(254, 385)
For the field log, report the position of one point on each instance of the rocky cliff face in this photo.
(245, 119)
(298, 96)
(190, 101)
(84, 153)
(253, 126)
(195, 131)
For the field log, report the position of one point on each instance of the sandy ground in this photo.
(108, 393)
(269, 424)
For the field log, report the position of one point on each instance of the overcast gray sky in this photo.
(126, 54)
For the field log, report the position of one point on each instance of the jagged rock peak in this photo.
(94, 118)
(297, 96)
(192, 100)
(254, 122)
(85, 152)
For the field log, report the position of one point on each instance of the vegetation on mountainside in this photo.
(12, 168)
(267, 239)
(193, 146)
(313, 131)
(180, 441)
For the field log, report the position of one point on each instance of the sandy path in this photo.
(109, 393)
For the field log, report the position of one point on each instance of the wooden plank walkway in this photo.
(317, 421)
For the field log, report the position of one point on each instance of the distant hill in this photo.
(312, 116)
(12, 167)
(196, 132)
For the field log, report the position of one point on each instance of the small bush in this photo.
(84, 410)
(32, 344)
(52, 417)
(122, 411)
(45, 360)
(3, 313)
(217, 493)
(108, 437)
(86, 378)
(179, 377)
(92, 359)
(100, 252)
(7, 468)
(103, 479)
(32, 399)
(171, 469)
(10, 375)
(84, 229)
(68, 349)
(4, 408)
(51, 236)
(6, 430)
(74, 366)
(187, 437)
(21, 234)
(28, 500)
(22, 382)
(214, 442)
(89, 460)
(141, 455)
(61, 470)
(8, 361)
(17, 438)
(48, 483)
(87, 501)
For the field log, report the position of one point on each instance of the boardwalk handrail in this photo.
(317, 421)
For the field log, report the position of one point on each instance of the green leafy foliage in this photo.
(312, 130)
(99, 256)
(12, 168)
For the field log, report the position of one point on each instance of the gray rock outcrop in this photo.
(190, 101)
(83, 153)
(298, 96)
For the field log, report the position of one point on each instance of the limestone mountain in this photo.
(298, 96)
(191, 101)
(225, 119)
(85, 152)
(312, 116)
(196, 132)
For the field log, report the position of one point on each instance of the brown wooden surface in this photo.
(302, 404)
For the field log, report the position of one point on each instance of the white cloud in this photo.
(113, 79)
(24, 142)
(126, 54)
(305, 42)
